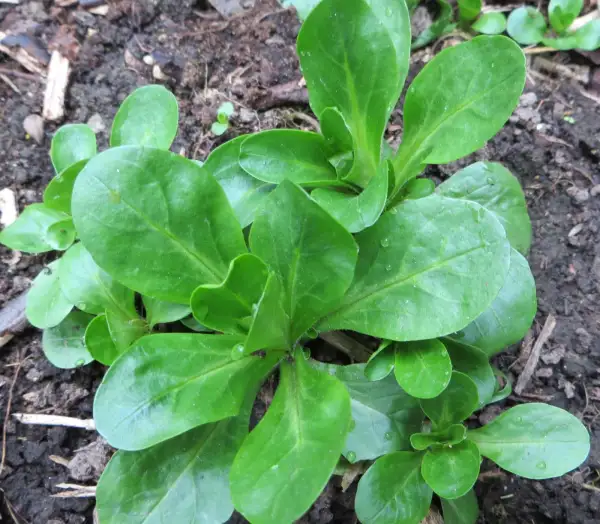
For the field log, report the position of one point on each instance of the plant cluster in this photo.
(196, 283)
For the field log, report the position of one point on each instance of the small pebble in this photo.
(34, 127)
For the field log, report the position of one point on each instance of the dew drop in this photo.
(389, 12)
(388, 436)
(275, 467)
(519, 420)
(394, 210)
(491, 181)
(351, 457)
(444, 353)
(388, 267)
(447, 373)
(385, 242)
(80, 362)
(237, 352)
(541, 465)
(82, 306)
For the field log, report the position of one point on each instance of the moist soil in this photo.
(250, 60)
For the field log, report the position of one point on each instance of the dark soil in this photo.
(207, 61)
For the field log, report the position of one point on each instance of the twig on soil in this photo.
(539, 50)
(59, 71)
(534, 357)
(532, 396)
(582, 20)
(492, 474)
(59, 460)
(18, 74)
(75, 491)
(12, 318)
(55, 420)
(590, 487)
(27, 60)
(312, 122)
(346, 344)
(281, 95)
(12, 512)
(560, 70)
(10, 83)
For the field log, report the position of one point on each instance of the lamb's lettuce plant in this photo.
(195, 284)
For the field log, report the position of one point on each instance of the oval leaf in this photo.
(526, 25)
(493, 23)
(162, 312)
(60, 189)
(336, 132)
(63, 344)
(562, 13)
(469, 9)
(71, 144)
(125, 330)
(588, 36)
(452, 435)
(463, 510)
(99, 342)
(47, 306)
(381, 363)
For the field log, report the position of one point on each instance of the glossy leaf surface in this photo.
(493, 23)
(63, 344)
(71, 144)
(588, 36)
(335, 130)
(61, 234)
(381, 363)
(526, 25)
(562, 13)
(452, 435)
(469, 9)
(124, 330)
(99, 342)
(47, 306)
(463, 510)
(161, 312)
(57, 194)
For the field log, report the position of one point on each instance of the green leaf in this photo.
(562, 13)
(99, 342)
(288, 154)
(381, 363)
(444, 121)
(58, 192)
(191, 323)
(335, 130)
(509, 316)
(501, 394)
(162, 312)
(286, 461)
(469, 9)
(493, 23)
(436, 258)
(452, 471)
(63, 344)
(154, 201)
(499, 191)
(244, 192)
(562, 43)
(89, 287)
(463, 510)
(392, 491)
(47, 306)
(169, 383)
(148, 117)
(125, 330)
(184, 480)
(423, 368)
(226, 109)
(588, 36)
(456, 403)
(356, 212)
(452, 435)
(441, 26)
(219, 128)
(312, 254)
(384, 416)
(71, 144)
(417, 188)
(61, 235)
(29, 232)
(526, 25)
(535, 441)
(347, 53)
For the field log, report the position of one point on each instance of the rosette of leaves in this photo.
(283, 235)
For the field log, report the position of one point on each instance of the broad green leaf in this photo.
(463, 510)
(61, 235)
(423, 368)
(89, 287)
(71, 144)
(286, 461)
(303, 7)
(347, 53)
(392, 491)
(526, 25)
(444, 121)
(417, 188)
(562, 43)
(450, 436)
(335, 130)
(452, 471)
(383, 415)
(124, 330)
(47, 306)
(63, 344)
(99, 342)
(469, 9)
(58, 192)
(562, 13)
(436, 258)
(29, 232)
(244, 192)
(312, 254)
(535, 441)
(509, 316)
(148, 117)
(169, 383)
(499, 191)
(155, 202)
(456, 403)
(288, 154)
(381, 363)
(191, 323)
(162, 312)
(588, 36)
(356, 212)
(493, 23)
(184, 480)
(440, 26)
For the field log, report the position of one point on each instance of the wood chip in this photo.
(27, 60)
(54, 420)
(101, 10)
(12, 318)
(34, 127)
(75, 491)
(56, 87)
(8, 207)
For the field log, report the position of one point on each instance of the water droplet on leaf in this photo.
(388, 436)
(80, 362)
(541, 465)
(237, 352)
(385, 242)
(491, 181)
(351, 457)
(388, 267)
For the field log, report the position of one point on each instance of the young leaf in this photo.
(450, 436)
(392, 491)
(288, 458)
(535, 441)
(244, 192)
(423, 368)
(161, 312)
(58, 192)
(47, 306)
(436, 258)
(169, 383)
(226, 109)
(63, 344)
(469, 9)
(148, 117)
(312, 254)
(526, 25)
(219, 128)
(588, 36)
(562, 13)
(498, 190)
(335, 130)
(154, 201)
(346, 53)
(356, 212)
(381, 363)
(191, 323)
(61, 234)
(456, 403)
(29, 232)
(417, 188)
(125, 330)
(288, 154)
(99, 342)
(463, 510)
(493, 23)
(562, 43)
(444, 121)
(441, 26)
(71, 144)
(509, 316)
(451, 471)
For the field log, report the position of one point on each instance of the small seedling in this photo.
(224, 113)
(279, 237)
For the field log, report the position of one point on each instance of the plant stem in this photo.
(345, 343)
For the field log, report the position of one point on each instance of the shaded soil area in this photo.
(250, 60)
